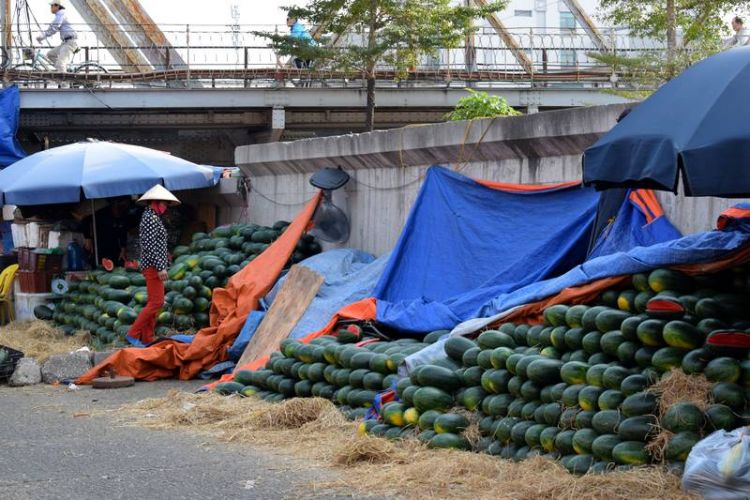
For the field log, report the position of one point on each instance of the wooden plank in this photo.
(299, 288)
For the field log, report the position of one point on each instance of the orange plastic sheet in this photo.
(525, 188)
(533, 313)
(229, 309)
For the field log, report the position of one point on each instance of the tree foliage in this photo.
(481, 105)
(698, 26)
(397, 33)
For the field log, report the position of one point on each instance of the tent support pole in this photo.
(96, 240)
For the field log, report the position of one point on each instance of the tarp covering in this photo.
(10, 106)
(467, 242)
(640, 222)
(229, 309)
(695, 124)
(350, 276)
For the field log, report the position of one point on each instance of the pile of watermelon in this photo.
(577, 388)
(107, 303)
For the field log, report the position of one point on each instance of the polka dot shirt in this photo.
(153, 238)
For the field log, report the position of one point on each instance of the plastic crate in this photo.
(34, 281)
(8, 362)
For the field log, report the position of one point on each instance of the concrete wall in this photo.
(387, 168)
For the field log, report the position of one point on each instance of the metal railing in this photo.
(234, 56)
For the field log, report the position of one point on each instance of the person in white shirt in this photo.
(62, 55)
(741, 35)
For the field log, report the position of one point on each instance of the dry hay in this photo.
(306, 426)
(410, 470)
(679, 387)
(40, 340)
(313, 429)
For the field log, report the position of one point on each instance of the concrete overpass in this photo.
(206, 124)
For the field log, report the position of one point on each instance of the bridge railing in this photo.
(235, 56)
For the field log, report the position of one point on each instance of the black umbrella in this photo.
(697, 124)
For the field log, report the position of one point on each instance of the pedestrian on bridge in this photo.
(741, 35)
(297, 30)
(62, 55)
(154, 262)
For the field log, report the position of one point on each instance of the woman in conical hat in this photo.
(154, 261)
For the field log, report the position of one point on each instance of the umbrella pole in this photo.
(96, 240)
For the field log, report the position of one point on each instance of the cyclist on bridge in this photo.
(62, 55)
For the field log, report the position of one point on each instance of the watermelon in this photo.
(630, 453)
(583, 440)
(638, 428)
(683, 417)
(492, 339)
(679, 445)
(696, 361)
(546, 371)
(448, 440)
(683, 335)
(610, 399)
(455, 347)
(609, 320)
(555, 315)
(668, 358)
(574, 372)
(729, 394)
(719, 416)
(431, 398)
(667, 279)
(450, 423)
(603, 446)
(641, 403)
(649, 332)
(723, 369)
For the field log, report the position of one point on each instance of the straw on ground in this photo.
(315, 430)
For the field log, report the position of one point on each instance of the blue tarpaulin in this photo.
(10, 105)
(350, 276)
(465, 244)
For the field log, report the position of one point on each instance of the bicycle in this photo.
(37, 61)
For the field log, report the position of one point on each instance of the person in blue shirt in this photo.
(62, 55)
(298, 30)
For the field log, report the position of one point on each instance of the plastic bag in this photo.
(718, 467)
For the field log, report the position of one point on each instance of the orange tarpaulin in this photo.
(229, 309)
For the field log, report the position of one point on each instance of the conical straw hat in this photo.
(159, 193)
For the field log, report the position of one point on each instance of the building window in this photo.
(567, 21)
(568, 57)
(523, 13)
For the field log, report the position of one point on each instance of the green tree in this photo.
(481, 105)
(396, 33)
(699, 23)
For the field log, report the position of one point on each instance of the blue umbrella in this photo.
(89, 170)
(697, 124)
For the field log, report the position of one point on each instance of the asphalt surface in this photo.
(59, 444)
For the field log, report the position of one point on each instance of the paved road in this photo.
(48, 453)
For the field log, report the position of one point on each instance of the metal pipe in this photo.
(96, 240)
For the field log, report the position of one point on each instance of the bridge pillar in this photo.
(532, 109)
